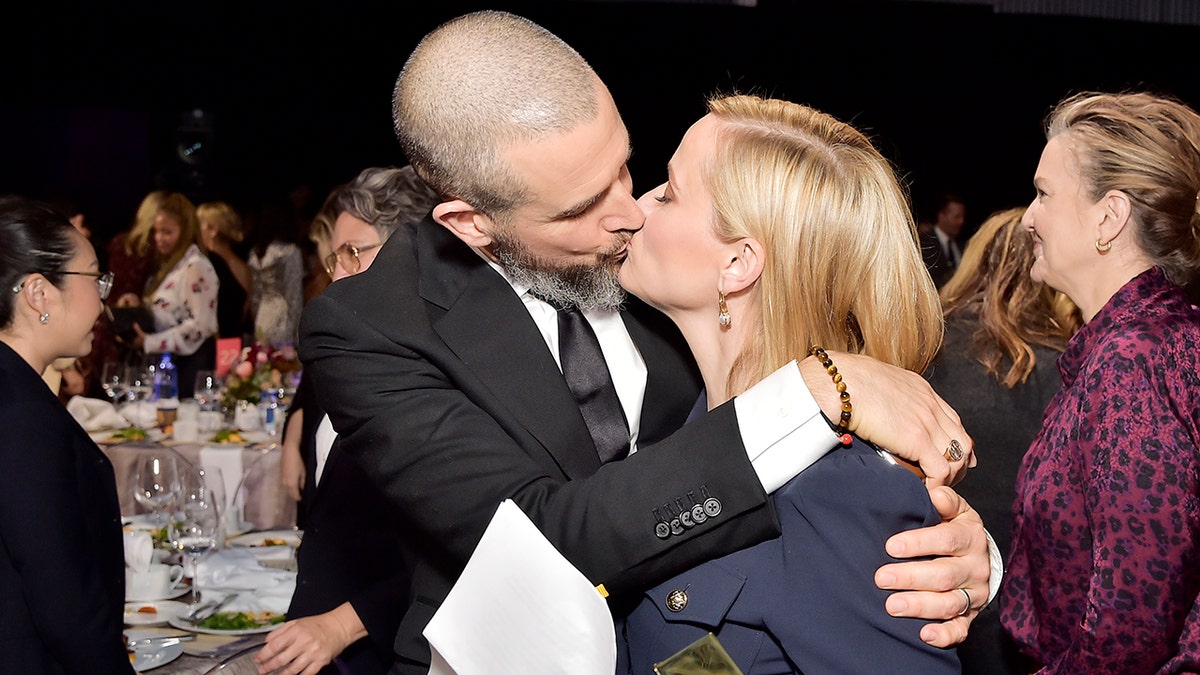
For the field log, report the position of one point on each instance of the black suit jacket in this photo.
(940, 267)
(352, 549)
(441, 387)
(62, 558)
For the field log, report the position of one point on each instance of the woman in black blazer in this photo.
(62, 580)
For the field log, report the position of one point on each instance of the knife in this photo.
(163, 641)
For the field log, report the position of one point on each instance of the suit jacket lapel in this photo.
(672, 380)
(488, 328)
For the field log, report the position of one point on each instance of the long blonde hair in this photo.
(843, 268)
(182, 208)
(1014, 311)
(138, 241)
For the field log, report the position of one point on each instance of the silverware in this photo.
(160, 641)
(207, 609)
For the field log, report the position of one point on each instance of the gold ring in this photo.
(953, 451)
(967, 608)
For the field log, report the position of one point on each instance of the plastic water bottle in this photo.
(166, 391)
(269, 405)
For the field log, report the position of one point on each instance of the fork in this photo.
(207, 609)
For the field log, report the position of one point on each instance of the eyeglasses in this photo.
(105, 279)
(347, 254)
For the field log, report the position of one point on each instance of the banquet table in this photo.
(205, 650)
(263, 504)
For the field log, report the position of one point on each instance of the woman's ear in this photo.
(1117, 211)
(39, 294)
(744, 266)
(467, 223)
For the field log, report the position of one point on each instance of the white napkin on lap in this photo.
(139, 550)
(94, 414)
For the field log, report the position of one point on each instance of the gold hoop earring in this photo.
(723, 316)
(1103, 248)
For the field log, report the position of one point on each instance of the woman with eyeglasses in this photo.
(62, 580)
(352, 577)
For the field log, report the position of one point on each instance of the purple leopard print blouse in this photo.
(1105, 568)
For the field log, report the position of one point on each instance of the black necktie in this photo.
(588, 379)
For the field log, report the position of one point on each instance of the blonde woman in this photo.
(181, 294)
(220, 229)
(997, 367)
(780, 229)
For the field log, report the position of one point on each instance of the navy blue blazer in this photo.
(62, 558)
(805, 601)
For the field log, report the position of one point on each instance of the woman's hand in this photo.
(291, 469)
(895, 409)
(930, 589)
(305, 646)
(138, 341)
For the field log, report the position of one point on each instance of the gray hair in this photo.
(477, 84)
(387, 198)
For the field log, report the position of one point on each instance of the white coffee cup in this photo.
(159, 581)
(186, 431)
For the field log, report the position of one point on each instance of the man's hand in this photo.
(895, 409)
(930, 589)
(305, 646)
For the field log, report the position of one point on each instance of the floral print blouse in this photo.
(1105, 568)
(184, 306)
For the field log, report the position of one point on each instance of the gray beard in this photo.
(587, 287)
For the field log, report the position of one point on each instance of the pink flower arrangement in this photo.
(261, 368)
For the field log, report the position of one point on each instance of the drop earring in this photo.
(723, 316)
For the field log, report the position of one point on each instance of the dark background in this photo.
(91, 99)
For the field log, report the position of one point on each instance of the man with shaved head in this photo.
(442, 366)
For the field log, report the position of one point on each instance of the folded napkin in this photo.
(264, 589)
(94, 414)
(141, 414)
(139, 550)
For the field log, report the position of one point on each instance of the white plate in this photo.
(259, 539)
(152, 657)
(153, 435)
(180, 623)
(248, 438)
(164, 610)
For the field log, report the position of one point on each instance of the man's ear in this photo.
(745, 261)
(467, 223)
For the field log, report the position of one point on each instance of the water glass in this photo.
(196, 528)
(208, 390)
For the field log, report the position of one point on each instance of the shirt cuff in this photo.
(996, 561)
(782, 427)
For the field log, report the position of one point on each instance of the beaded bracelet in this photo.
(842, 427)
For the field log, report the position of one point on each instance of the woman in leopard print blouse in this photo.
(1105, 569)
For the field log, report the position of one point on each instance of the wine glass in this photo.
(139, 382)
(156, 482)
(195, 530)
(113, 382)
(207, 389)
